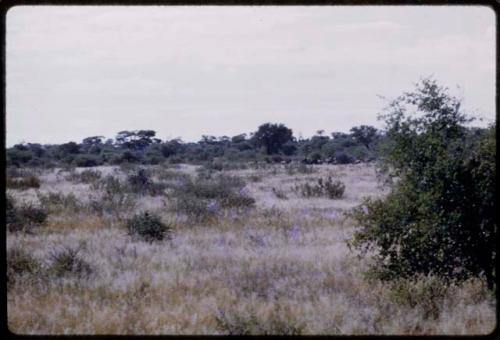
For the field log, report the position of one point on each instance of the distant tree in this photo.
(70, 148)
(364, 134)
(272, 137)
(239, 138)
(136, 140)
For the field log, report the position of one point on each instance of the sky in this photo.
(188, 71)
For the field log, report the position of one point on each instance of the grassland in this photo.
(281, 266)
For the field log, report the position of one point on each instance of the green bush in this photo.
(20, 263)
(440, 216)
(140, 182)
(23, 218)
(23, 183)
(323, 187)
(148, 227)
(67, 261)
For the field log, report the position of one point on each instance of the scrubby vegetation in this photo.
(261, 234)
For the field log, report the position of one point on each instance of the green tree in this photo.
(272, 137)
(364, 134)
(440, 215)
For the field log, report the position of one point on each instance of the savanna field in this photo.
(243, 249)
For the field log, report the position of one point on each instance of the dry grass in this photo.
(282, 267)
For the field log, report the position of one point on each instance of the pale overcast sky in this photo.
(74, 72)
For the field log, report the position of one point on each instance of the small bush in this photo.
(25, 217)
(426, 293)
(67, 261)
(329, 188)
(148, 227)
(57, 202)
(343, 158)
(86, 176)
(202, 198)
(23, 183)
(140, 182)
(238, 323)
(299, 168)
(279, 193)
(20, 264)
(115, 199)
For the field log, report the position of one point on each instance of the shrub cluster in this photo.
(66, 261)
(323, 187)
(140, 182)
(203, 198)
(23, 183)
(25, 217)
(57, 202)
(86, 176)
(148, 227)
(20, 264)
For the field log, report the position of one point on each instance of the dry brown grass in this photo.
(283, 267)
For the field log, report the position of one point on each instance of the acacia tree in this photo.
(364, 134)
(440, 216)
(272, 137)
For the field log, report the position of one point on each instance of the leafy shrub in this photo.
(148, 227)
(23, 183)
(67, 261)
(20, 264)
(328, 187)
(23, 218)
(440, 216)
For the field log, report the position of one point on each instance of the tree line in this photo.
(271, 142)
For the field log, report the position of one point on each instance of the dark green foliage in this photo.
(20, 264)
(440, 216)
(67, 261)
(23, 183)
(25, 217)
(364, 134)
(148, 227)
(272, 137)
(323, 187)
